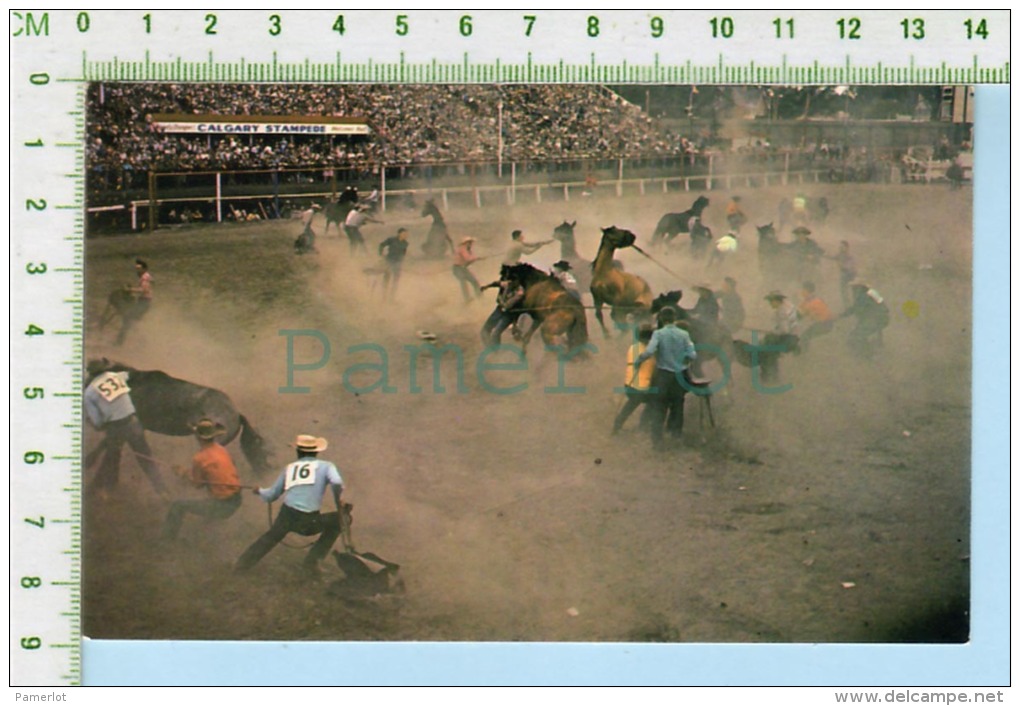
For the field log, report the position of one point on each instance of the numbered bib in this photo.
(299, 473)
(111, 386)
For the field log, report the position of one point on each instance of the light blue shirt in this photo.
(303, 483)
(672, 347)
(107, 399)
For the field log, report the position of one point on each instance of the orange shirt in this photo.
(815, 309)
(639, 378)
(213, 468)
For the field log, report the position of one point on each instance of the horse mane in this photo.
(527, 273)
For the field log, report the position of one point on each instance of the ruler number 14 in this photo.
(976, 29)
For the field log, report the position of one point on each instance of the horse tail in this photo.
(254, 447)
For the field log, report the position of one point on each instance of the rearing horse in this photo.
(557, 314)
(673, 224)
(624, 292)
(438, 239)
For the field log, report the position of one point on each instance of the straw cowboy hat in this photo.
(307, 442)
(208, 429)
(775, 294)
(469, 239)
(801, 230)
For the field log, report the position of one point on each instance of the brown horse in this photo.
(557, 313)
(625, 293)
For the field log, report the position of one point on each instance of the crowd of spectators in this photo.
(408, 124)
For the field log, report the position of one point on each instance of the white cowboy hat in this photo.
(307, 442)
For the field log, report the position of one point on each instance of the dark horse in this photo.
(336, 213)
(438, 241)
(568, 251)
(673, 224)
(559, 315)
(168, 405)
(712, 339)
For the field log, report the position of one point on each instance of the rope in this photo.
(656, 262)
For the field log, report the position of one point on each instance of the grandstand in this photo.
(407, 124)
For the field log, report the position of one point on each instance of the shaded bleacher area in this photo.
(409, 124)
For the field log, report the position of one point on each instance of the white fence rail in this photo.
(484, 195)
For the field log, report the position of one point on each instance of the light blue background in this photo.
(984, 661)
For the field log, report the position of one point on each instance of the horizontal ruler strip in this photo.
(719, 71)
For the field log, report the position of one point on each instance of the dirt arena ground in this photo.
(837, 511)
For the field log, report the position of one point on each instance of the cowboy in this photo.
(393, 250)
(511, 293)
(518, 248)
(815, 313)
(108, 408)
(784, 317)
(143, 299)
(707, 307)
(306, 241)
(732, 305)
(211, 468)
(872, 318)
(672, 348)
(561, 271)
(463, 258)
(352, 227)
(847, 272)
(783, 338)
(637, 381)
(805, 246)
(734, 215)
(302, 485)
(724, 247)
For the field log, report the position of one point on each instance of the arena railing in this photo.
(176, 197)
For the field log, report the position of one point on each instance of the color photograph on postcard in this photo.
(527, 362)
